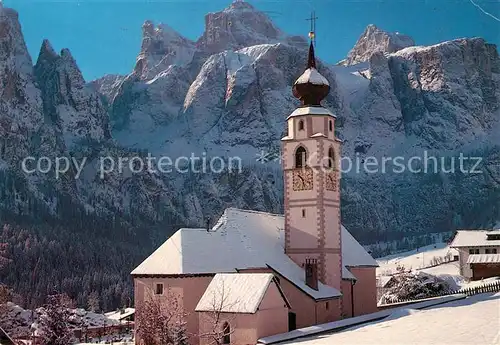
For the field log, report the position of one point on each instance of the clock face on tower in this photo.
(331, 181)
(303, 179)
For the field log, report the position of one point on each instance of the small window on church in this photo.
(301, 125)
(226, 339)
(330, 125)
(159, 289)
(303, 213)
(327, 305)
(300, 157)
(331, 158)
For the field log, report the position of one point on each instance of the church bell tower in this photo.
(311, 155)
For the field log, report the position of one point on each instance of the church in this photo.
(256, 274)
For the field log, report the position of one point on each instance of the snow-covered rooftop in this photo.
(474, 238)
(451, 323)
(120, 314)
(483, 259)
(311, 75)
(243, 239)
(235, 292)
(311, 111)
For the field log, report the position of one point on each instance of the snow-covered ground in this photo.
(447, 324)
(426, 257)
(450, 272)
(415, 259)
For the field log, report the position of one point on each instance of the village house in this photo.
(479, 253)
(266, 274)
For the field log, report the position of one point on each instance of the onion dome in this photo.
(311, 87)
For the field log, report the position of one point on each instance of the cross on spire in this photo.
(312, 33)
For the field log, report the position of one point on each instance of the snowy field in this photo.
(415, 259)
(474, 320)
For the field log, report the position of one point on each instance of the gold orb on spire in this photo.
(312, 35)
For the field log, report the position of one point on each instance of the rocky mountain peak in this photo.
(67, 101)
(47, 51)
(14, 49)
(374, 40)
(161, 47)
(240, 5)
(241, 25)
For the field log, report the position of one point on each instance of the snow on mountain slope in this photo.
(236, 104)
(107, 85)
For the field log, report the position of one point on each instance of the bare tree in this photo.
(54, 322)
(219, 317)
(161, 320)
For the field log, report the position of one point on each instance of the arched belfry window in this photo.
(226, 338)
(330, 125)
(300, 157)
(331, 159)
(301, 125)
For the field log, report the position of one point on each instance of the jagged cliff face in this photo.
(229, 93)
(161, 48)
(374, 40)
(21, 117)
(75, 109)
(439, 97)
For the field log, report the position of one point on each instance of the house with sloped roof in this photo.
(263, 274)
(478, 253)
(239, 300)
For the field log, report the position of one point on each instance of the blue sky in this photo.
(105, 36)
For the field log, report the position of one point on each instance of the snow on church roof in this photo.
(235, 292)
(243, 239)
(311, 75)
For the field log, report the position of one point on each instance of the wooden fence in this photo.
(471, 291)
